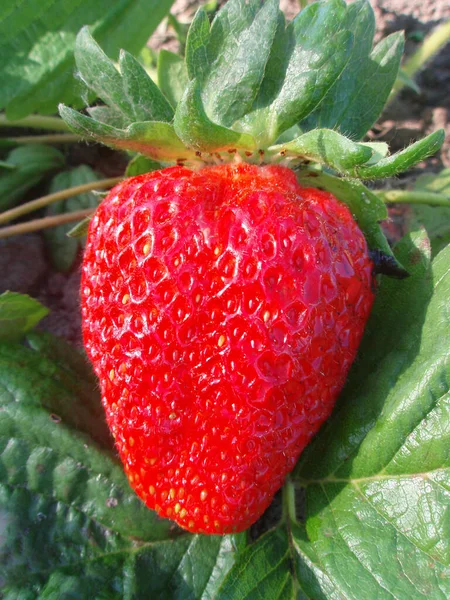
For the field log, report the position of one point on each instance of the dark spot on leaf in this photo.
(415, 257)
(384, 264)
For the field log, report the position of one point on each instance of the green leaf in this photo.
(108, 116)
(197, 62)
(307, 57)
(357, 98)
(197, 131)
(37, 41)
(74, 527)
(403, 160)
(366, 207)
(154, 139)
(19, 313)
(30, 164)
(237, 53)
(81, 229)
(172, 76)
(262, 571)
(435, 219)
(377, 476)
(62, 249)
(379, 149)
(140, 165)
(327, 147)
(131, 92)
(147, 99)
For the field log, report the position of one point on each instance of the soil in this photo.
(23, 260)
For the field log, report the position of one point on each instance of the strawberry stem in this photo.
(36, 122)
(289, 512)
(407, 197)
(45, 223)
(24, 209)
(56, 138)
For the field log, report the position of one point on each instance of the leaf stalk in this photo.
(57, 138)
(24, 209)
(289, 512)
(36, 122)
(408, 197)
(45, 223)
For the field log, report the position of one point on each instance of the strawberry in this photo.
(223, 303)
(222, 310)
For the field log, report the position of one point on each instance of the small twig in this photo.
(56, 138)
(404, 196)
(45, 223)
(24, 209)
(36, 122)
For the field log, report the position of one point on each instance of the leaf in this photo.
(140, 165)
(154, 139)
(262, 571)
(131, 92)
(197, 131)
(237, 53)
(19, 313)
(172, 76)
(377, 475)
(62, 249)
(357, 98)
(307, 57)
(435, 219)
(403, 160)
(30, 164)
(327, 147)
(81, 229)
(197, 46)
(108, 116)
(74, 528)
(37, 41)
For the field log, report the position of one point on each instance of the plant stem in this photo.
(404, 196)
(36, 122)
(431, 45)
(45, 223)
(289, 513)
(56, 138)
(24, 209)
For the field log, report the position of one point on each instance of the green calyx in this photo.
(253, 87)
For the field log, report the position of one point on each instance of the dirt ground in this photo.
(408, 118)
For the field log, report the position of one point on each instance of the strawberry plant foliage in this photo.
(210, 410)
(37, 41)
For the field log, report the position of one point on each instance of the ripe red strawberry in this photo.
(223, 306)
(222, 310)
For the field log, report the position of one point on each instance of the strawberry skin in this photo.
(222, 310)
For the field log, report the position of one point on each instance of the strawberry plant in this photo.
(227, 283)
